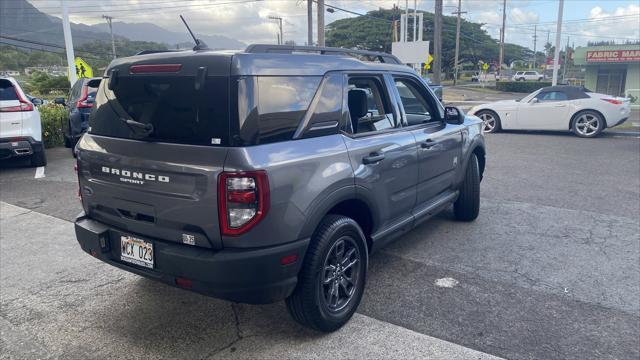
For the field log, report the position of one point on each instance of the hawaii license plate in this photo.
(136, 251)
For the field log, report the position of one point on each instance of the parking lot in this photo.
(550, 269)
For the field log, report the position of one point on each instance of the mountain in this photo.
(152, 32)
(21, 20)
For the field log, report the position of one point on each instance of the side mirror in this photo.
(59, 101)
(534, 101)
(453, 115)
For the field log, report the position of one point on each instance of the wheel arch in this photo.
(348, 202)
(575, 114)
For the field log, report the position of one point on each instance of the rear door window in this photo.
(378, 114)
(171, 104)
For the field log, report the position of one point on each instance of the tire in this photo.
(491, 121)
(467, 206)
(67, 141)
(39, 158)
(587, 124)
(308, 304)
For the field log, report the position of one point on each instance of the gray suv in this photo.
(269, 174)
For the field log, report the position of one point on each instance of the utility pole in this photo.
(455, 62)
(321, 23)
(504, 20)
(280, 39)
(415, 19)
(113, 43)
(437, 42)
(564, 66)
(406, 21)
(68, 43)
(556, 56)
(535, 37)
(309, 22)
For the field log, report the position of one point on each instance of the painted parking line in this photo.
(39, 172)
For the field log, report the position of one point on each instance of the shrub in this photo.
(52, 117)
(521, 86)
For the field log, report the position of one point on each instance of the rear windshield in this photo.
(7, 92)
(176, 111)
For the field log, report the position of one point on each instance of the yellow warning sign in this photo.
(83, 70)
(485, 66)
(427, 63)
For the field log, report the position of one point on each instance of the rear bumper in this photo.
(24, 146)
(252, 276)
(619, 122)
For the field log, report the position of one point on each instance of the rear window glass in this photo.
(270, 107)
(177, 112)
(7, 92)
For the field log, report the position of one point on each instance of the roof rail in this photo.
(290, 49)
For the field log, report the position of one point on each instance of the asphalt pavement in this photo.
(550, 270)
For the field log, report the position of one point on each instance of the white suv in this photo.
(20, 127)
(527, 75)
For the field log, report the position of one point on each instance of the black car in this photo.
(80, 102)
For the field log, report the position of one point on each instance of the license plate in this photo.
(136, 251)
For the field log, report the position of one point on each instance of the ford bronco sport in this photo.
(268, 174)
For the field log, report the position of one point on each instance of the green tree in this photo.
(374, 32)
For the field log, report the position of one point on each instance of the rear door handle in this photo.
(373, 158)
(560, 105)
(427, 144)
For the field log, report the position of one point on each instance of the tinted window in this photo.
(91, 93)
(552, 96)
(7, 92)
(416, 105)
(178, 112)
(328, 109)
(378, 115)
(529, 73)
(270, 107)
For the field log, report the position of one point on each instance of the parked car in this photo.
(79, 104)
(269, 174)
(573, 108)
(20, 127)
(527, 76)
(477, 77)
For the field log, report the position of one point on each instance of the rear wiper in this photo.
(132, 124)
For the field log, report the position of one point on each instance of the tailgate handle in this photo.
(200, 77)
(136, 216)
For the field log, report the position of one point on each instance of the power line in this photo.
(49, 45)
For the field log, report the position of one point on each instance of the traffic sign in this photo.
(485, 66)
(83, 70)
(429, 59)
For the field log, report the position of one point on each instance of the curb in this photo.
(623, 133)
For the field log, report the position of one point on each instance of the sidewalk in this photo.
(58, 302)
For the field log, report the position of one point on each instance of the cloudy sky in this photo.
(248, 20)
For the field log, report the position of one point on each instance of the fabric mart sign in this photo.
(613, 56)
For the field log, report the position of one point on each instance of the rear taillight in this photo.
(25, 105)
(613, 101)
(75, 169)
(82, 103)
(243, 200)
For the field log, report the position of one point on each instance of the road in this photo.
(550, 270)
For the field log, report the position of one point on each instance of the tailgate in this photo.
(158, 177)
(160, 190)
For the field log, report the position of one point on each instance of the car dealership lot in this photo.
(551, 269)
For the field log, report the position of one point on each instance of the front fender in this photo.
(473, 141)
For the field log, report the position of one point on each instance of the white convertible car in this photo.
(572, 108)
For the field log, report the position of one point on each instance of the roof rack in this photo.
(290, 49)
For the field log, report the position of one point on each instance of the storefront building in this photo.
(611, 69)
